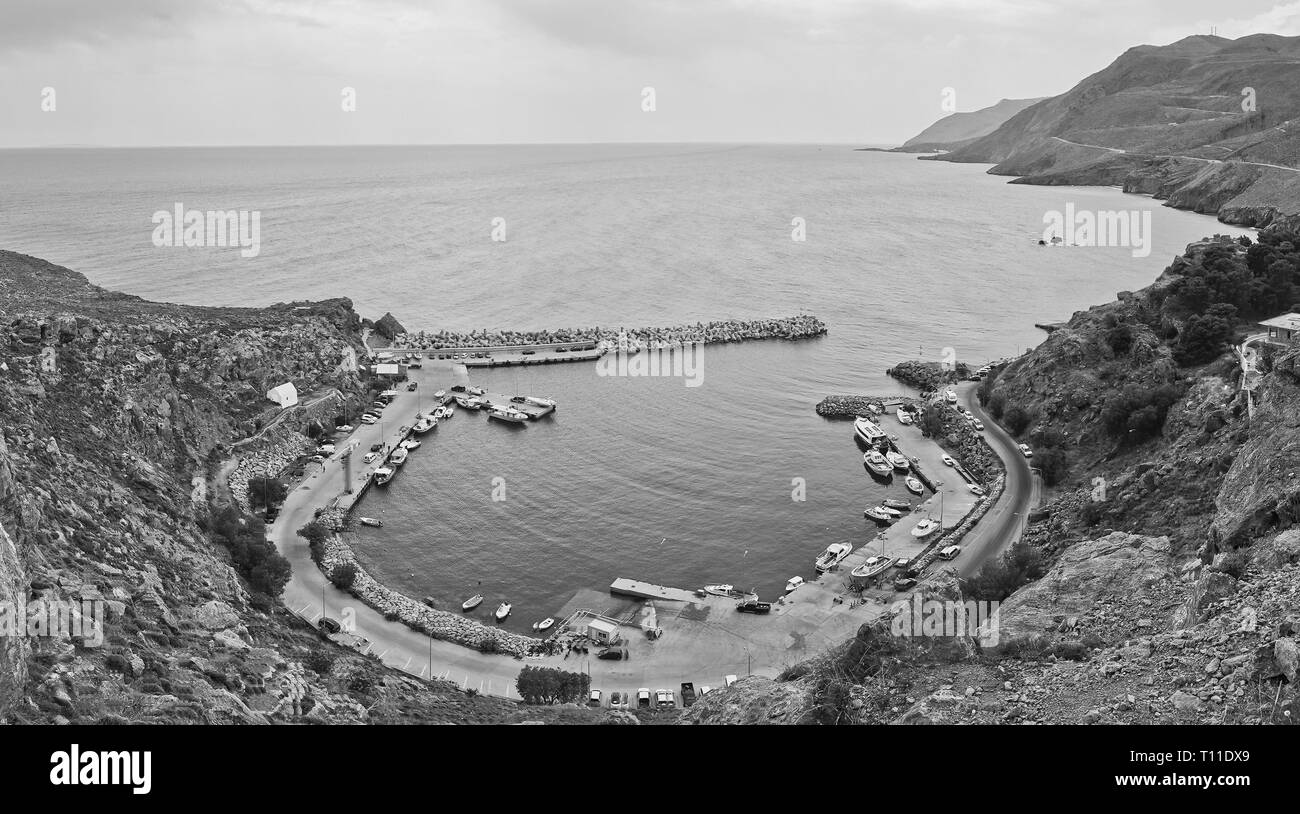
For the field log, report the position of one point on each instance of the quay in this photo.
(648, 590)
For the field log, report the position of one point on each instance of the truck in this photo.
(688, 693)
(754, 606)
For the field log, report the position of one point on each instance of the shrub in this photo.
(343, 576)
(551, 685)
(1000, 578)
(1016, 419)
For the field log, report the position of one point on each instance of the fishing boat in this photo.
(925, 528)
(876, 462)
(540, 402)
(503, 610)
(399, 456)
(424, 424)
(384, 474)
(872, 567)
(410, 444)
(914, 485)
(891, 503)
(867, 430)
(545, 624)
(898, 460)
(507, 414)
(904, 416)
(792, 583)
(472, 603)
(372, 521)
(719, 590)
(880, 514)
(833, 556)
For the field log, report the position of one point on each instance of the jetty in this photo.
(648, 590)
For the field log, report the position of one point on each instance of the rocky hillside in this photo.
(958, 129)
(1197, 123)
(118, 417)
(1170, 533)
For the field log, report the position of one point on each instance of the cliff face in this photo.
(117, 416)
(1196, 123)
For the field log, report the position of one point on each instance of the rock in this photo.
(1285, 655)
(216, 615)
(1185, 702)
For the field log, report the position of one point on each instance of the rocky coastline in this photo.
(928, 376)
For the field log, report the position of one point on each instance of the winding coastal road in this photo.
(1174, 155)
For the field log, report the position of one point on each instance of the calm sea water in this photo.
(642, 478)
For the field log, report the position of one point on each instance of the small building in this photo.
(285, 395)
(388, 370)
(602, 632)
(1282, 329)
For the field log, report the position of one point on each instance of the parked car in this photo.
(1026, 451)
(325, 449)
(904, 584)
(618, 700)
(976, 489)
(950, 553)
(754, 606)
(344, 428)
(612, 654)
(412, 385)
(376, 447)
(318, 459)
(664, 699)
(979, 425)
(371, 457)
(329, 625)
(947, 459)
(368, 419)
(705, 689)
(688, 693)
(643, 698)
(593, 698)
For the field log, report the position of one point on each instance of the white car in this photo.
(345, 428)
(325, 449)
(593, 698)
(1026, 451)
(664, 699)
(371, 457)
(618, 700)
(368, 419)
(643, 698)
(979, 425)
(976, 489)
(947, 459)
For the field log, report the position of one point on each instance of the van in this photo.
(950, 553)
(730, 680)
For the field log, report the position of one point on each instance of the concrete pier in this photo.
(648, 590)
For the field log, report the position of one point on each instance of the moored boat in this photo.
(507, 414)
(879, 514)
(876, 462)
(904, 416)
(914, 485)
(539, 402)
(833, 556)
(867, 430)
(409, 444)
(372, 521)
(892, 503)
(424, 424)
(399, 456)
(792, 583)
(384, 474)
(898, 461)
(872, 567)
(503, 610)
(545, 624)
(719, 590)
(925, 528)
(472, 603)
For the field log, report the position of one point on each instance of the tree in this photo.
(1000, 578)
(932, 421)
(343, 576)
(266, 492)
(551, 685)
(1016, 419)
(1053, 463)
(1204, 336)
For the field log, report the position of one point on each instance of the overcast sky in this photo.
(224, 72)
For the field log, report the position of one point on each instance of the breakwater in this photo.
(801, 326)
(853, 406)
(928, 375)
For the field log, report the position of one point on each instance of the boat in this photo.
(476, 391)
(880, 514)
(875, 409)
(719, 590)
(449, 409)
(872, 567)
(507, 414)
(904, 416)
(540, 402)
(472, 603)
(898, 460)
(384, 474)
(867, 430)
(914, 485)
(503, 610)
(372, 521)
(876, 462)
(891, 503)
(424, 424)
(399, 456)
(545, 624)
(468, 402)
(792, 583)
(409, 444)
(925, 528)
(833, 556)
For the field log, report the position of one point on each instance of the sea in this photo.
(736, 480)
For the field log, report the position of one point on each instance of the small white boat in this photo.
(424, 424)
(719, 590)
(372, 521)
(545, 624)
(833, 556)
(507, 414)
(898, 461)
(399, 456)
(904, 416)
(872, 567)
(925, 528)
(540, 402)
(503, 610)
(472, 603)
(901, 505)
(880, 514)
(792, 583)
(876, 462)
(914, 485)
(384, 474)
(410, 444)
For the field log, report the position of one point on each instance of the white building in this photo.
(1282, 329)
(285, 395)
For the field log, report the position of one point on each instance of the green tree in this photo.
(1016, 419)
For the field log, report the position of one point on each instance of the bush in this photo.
(1000, 578)
(1053, 463)
(997, 404)
(1016, 419)
(266, 492)
(551, 685)
(343, 576)
(319, 662)
(255, 557)
(1138, 413)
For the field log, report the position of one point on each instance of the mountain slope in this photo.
(954, 130)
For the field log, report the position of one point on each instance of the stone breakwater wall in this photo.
(266, 458)
(967, 445)
(928, 375)
(968, 522)
(802, 326)
(444, 625)
(854, 406)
